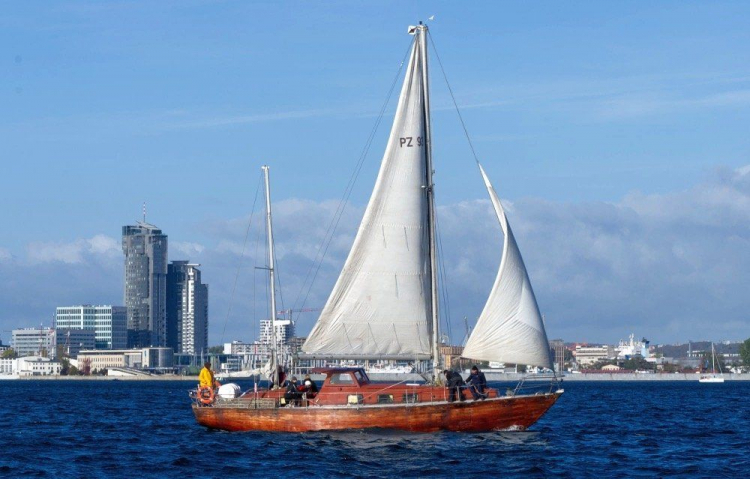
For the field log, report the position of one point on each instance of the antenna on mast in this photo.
(144, 211)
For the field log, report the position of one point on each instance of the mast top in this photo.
(413, 28)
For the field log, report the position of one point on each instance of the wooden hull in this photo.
(496, 414)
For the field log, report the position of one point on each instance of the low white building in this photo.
(7, 366)
(588, 355)
(103, 358)
(154, 358)
(37, 366)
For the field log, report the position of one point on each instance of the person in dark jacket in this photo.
(477, 383)
(455, 384)
(311, 389)
(293, 393)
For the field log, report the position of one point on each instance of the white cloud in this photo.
(187, 249)
(670, 267)
(78, 251)
(104, 245)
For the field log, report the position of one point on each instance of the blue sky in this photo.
(584, 113)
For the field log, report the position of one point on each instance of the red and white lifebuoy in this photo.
(206, 395)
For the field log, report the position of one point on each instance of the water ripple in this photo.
(118, 429)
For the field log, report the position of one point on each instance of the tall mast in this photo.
(271, 277)
(430, 206)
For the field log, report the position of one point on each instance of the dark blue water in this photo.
(146, 429)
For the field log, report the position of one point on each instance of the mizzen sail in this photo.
(381, 305)
(510, 328)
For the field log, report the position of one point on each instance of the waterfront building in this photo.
(157, 358)
(142, 358)
(108, 322)
(7, 366)
(284, 331)
(145, 249)
(105, 359)
(69, 342)
(239, 348)
(37, 366)
(33, 341)
(588, 355)
(187, 309)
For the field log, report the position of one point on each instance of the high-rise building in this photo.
(284, 331)
(69, 342)
(187, 309)
(109, 323)
(145, 248)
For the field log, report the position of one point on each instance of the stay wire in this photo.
(328, 237)
(278, 275)
(444, 277)
(455, 104)
(239, 263)
(255, 284)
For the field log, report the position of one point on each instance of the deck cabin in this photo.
(351, 386)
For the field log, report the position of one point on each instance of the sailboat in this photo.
(712, 378)
(384, 307)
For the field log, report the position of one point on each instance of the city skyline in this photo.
(615, 135)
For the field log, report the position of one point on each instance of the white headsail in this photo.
(381, 304)
(510, 328)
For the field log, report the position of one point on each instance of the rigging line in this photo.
(239, 263)
(444, 276)
(278, 275)
(328, 237)
(255, 286)
(268, 301)
(455, 104)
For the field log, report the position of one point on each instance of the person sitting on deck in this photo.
(477, 383)
(293, 392)
(455, 384)
(311, 389)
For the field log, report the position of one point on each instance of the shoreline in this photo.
(491, 376)
(110, 378)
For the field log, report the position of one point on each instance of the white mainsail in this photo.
(381, 305)
(510, 328)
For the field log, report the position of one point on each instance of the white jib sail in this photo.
(510, 328)
(381, 303)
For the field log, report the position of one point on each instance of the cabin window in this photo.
(360, 377)
(341, 378)
(385, 398)
(411, 398)
(355, 399)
